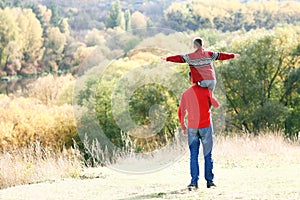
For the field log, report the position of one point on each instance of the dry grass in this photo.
(35, 163)
(248, 145)
(246, 167)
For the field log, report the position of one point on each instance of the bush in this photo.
(26, 120)
(52, 90)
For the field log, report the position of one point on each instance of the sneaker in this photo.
(210, 184)
(192, 186)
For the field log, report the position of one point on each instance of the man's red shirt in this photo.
(195, 102)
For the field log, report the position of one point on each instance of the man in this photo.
(201, 64)
(196, 102)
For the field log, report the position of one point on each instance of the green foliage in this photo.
(230, 15)
(292, 99)
(114, 17)
(56, 14)
(144, 107)
(177, 16)
(127, 19)
(255, 82)
(146, 99)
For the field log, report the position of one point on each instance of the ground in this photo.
(244, 169)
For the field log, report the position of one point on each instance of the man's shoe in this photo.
(210, 184)
(192, 186)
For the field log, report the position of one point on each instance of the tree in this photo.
(32, 36)
(56, 14)
(127, 16)
(54, 44)
(292, 100)
(3, 4)
(177, 16)
(64, 27)
(17, 3)
(13, 56)
(254, 83)
(114, 16)
(8, 32)
(138, 23)
(94, 37)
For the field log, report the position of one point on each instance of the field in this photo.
(265, 167)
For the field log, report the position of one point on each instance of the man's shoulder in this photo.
(186, 91)
(196, 89)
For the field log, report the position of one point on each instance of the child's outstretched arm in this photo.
(223, 55)
(177, 59)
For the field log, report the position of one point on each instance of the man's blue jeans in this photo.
(194, 137)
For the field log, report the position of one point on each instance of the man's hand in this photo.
(185, 132)
(237, 55)
(163, 58)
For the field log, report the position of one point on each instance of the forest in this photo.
(78, 53)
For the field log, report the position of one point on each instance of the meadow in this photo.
(245, 167)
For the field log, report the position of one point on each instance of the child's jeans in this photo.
(211, 84)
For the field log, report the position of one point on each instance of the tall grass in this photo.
(37, 132)
(134, 148)
(246, 149)
(35, 163)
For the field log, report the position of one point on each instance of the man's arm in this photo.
(212, 100)
(223, 55)
(182, 113)
(176, 59)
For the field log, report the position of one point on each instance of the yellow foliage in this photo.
(52, 89)
(25, 120)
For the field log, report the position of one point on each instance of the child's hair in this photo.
(198, 42)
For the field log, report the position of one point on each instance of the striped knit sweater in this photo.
(201, 63)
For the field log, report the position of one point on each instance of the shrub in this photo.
(52, 89)
(25, 120)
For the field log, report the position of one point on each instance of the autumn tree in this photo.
(54, 43)
(138, 23)
(177, 16)
(31, 36)
(8, 32)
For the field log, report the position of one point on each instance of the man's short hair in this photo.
(198, 42)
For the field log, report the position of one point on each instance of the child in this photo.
(201, 64)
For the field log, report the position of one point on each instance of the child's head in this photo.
(197, 42)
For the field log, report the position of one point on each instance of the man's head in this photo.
(197, 42)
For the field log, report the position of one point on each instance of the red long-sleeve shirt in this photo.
(201, 63)
(195, 102)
